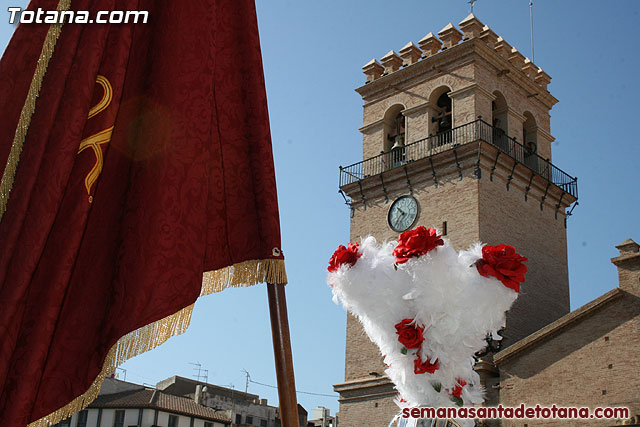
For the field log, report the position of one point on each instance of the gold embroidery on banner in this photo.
(95, 141)
(106, 98)
(29, 107)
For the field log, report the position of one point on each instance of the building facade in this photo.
(122, 404)
(176, 402)
(245, 409)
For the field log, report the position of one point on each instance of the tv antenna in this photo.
(246, 386)
(201, 373)
(531, 19)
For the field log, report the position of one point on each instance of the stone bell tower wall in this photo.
(540, 235)
(464, 172)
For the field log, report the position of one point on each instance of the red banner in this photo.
(144, 161)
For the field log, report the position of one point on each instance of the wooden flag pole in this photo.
(282, 355)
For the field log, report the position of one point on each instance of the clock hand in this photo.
(398, 220)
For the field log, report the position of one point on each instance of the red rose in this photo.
(503, 263)
(342, 255)
(413, 243)
(409, 334)
(420, 367)
(457, 391)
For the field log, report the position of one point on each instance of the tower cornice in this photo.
(439, 63)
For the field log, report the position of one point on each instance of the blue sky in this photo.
(313, 53)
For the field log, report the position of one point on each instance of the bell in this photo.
(399, 142)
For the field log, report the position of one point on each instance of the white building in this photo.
(122, 404)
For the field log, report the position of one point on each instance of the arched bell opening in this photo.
(394, 136)
(530, 142)
(442, 120)
(442, 116)
(394, 127)
(499, 121)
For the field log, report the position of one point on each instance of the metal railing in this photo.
(478, 130)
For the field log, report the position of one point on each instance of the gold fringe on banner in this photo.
(29, 107)
(244, 274)
(148, 337)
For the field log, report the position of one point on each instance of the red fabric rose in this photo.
(420, 367)
(342, 255)
(503, 263)
(413, 243)
(409, 334)
(457, 391)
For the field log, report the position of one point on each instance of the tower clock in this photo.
(403, 213)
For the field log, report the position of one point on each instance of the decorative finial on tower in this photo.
(373, 70)
(450, 36)
(516, 58)
(529, 68)
(542, 78)
(391, 62)
(410, 54)
(430, 45)
(471, 27)
(489, 36)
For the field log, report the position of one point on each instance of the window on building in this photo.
(118, 421)
(249, 420)
(64, 423)
(263, 423)
(208, 424)
(173, 421)
(82, 418)
(238, 418)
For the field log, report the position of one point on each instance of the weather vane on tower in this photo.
(472, 3)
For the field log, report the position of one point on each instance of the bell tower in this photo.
(458, 128)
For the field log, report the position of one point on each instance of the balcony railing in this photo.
(461, 135)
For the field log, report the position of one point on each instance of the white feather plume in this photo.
(443, 291)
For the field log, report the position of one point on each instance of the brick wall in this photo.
(368, 411)
(592, 362)
(506, 217)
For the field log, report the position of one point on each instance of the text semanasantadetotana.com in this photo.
(41, 16)
(519, 412)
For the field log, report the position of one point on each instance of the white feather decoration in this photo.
(441, 291)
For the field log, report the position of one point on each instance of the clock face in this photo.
(403, 213)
